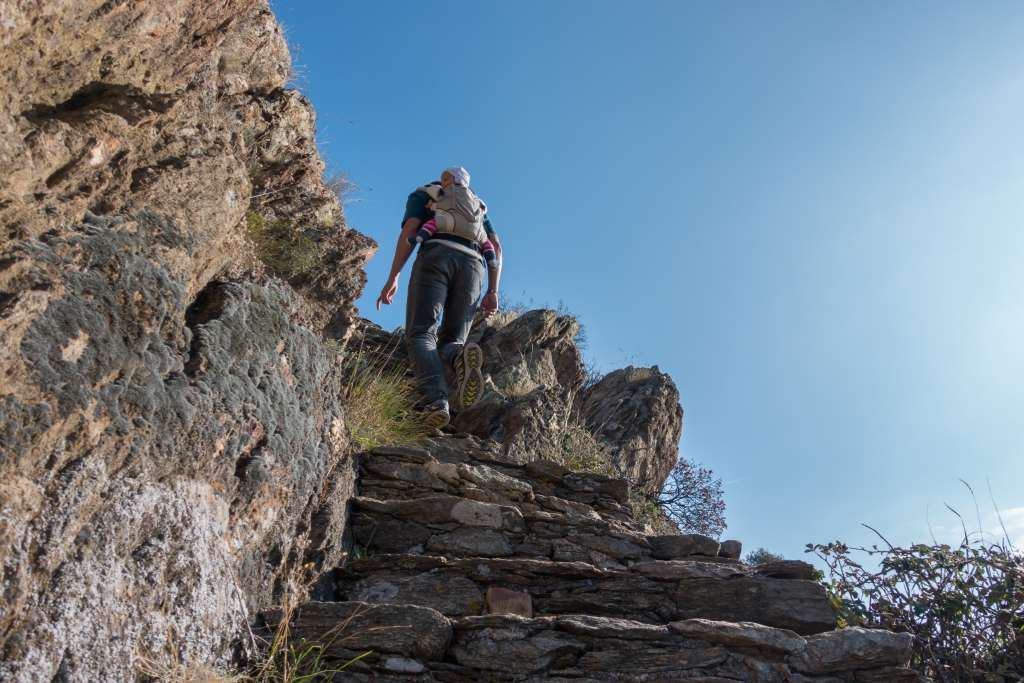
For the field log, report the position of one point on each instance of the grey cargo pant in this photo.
(444, 292)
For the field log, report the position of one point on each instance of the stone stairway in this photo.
(468, 567)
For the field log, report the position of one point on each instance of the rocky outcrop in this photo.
(172, 448)
(637, 412)
(177, 108)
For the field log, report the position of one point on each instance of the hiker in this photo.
(444, 289)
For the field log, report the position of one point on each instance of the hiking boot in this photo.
(436, 415)
(469, 376)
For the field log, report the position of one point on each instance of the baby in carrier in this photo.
(457, 211)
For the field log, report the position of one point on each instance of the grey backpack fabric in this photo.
(458, 211)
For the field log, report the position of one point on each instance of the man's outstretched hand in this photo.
(387, 294)
(490, 304)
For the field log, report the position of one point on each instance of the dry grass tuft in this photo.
(380, 403)
(184, 672)
(281, 245)
(574, 446)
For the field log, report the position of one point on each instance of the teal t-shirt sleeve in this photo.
(416, 207)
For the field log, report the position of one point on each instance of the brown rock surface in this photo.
(637, 412)
(170, 438)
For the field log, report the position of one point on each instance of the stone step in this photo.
(654, 591)
(411, 643)
(462, 527)
(454, 526)
(468, 469)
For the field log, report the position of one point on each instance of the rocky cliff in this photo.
(174, 453)
(169, 417)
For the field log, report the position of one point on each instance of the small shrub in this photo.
(574, 446)
(647, 511)
(342, 187)
(380, 404)
(176, 671)
(964, 604)
(591, 374)
(762, 556)
(279, 660)
(281, 246)
(692, 498)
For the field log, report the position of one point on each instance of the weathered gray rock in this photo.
(687, 569)
(684, 545)
(853, 648)
(471, 543)
(534, 349)
(889, 674)
(573, 588)
(149, 439)
(637, 412)
(742, 634)
(787, 569)
(731, 549)
(341, 627)
(505, 601)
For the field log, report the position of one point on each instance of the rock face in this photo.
(172, 450)
(637, 411)
(530, 572)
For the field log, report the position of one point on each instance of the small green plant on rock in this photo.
(281, 245)
(645, 510)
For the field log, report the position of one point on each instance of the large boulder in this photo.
(636, 411)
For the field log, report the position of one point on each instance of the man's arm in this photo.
(402, 251)
(490, 303)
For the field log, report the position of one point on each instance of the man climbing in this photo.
(444, 289)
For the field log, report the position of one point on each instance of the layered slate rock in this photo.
(410, 504)
(709, 590)
(578, 648)
(543, 574)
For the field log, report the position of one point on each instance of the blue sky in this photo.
(810, 214)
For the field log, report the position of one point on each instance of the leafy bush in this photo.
(963, 604)
(281, 245)
(692, 498)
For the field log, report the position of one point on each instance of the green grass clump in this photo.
(281, 245)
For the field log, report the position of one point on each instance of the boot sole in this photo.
(471, 376)
(438, 419)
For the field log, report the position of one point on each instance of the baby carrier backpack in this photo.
(458, 211)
